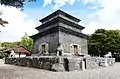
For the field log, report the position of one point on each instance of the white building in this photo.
(19, 51)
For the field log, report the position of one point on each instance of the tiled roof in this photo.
(62, 13)
(21, 49)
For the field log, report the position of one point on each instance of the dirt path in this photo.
(16, 72)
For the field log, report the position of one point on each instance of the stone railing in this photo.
(94, 62)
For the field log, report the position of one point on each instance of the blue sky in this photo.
(37, 11)
(94, 14)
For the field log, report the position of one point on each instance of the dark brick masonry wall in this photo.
(36, 62)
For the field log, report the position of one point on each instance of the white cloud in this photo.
(108, 17)
(89, 1)
(47, 2)
(19, 23)
(56, 4)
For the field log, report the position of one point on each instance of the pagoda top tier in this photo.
(60, 14)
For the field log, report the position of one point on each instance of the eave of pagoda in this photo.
(59, 19)
(59, 29)
(59, 12)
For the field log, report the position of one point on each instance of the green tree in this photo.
(1, 54)
(104, 41)
(4, 52)
(27, 42)
(2, 22)
(9, 45)
(5, 48)
(15, 3)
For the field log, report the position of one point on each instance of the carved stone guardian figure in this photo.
(59, 50)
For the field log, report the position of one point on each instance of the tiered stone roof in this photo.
(59, 21)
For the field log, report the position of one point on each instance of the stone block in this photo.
(58, 67)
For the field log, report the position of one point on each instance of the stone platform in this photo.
(63, 63)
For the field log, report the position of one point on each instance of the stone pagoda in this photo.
(60, 34)
(60, 45)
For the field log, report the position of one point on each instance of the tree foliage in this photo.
(9, 45)
(104, 41)
(15, 3)
(2, 22)
(5, 48)
(27, 42)
(4, 52)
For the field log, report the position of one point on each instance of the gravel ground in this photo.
(16, 72)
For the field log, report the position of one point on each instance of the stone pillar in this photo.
(83, 65)
(106, 63)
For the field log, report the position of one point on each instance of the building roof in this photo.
(59, 19)
(51, 24)
(21, 49)
(59, 29)
(62, 13)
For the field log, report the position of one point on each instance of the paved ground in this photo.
(16, 72)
